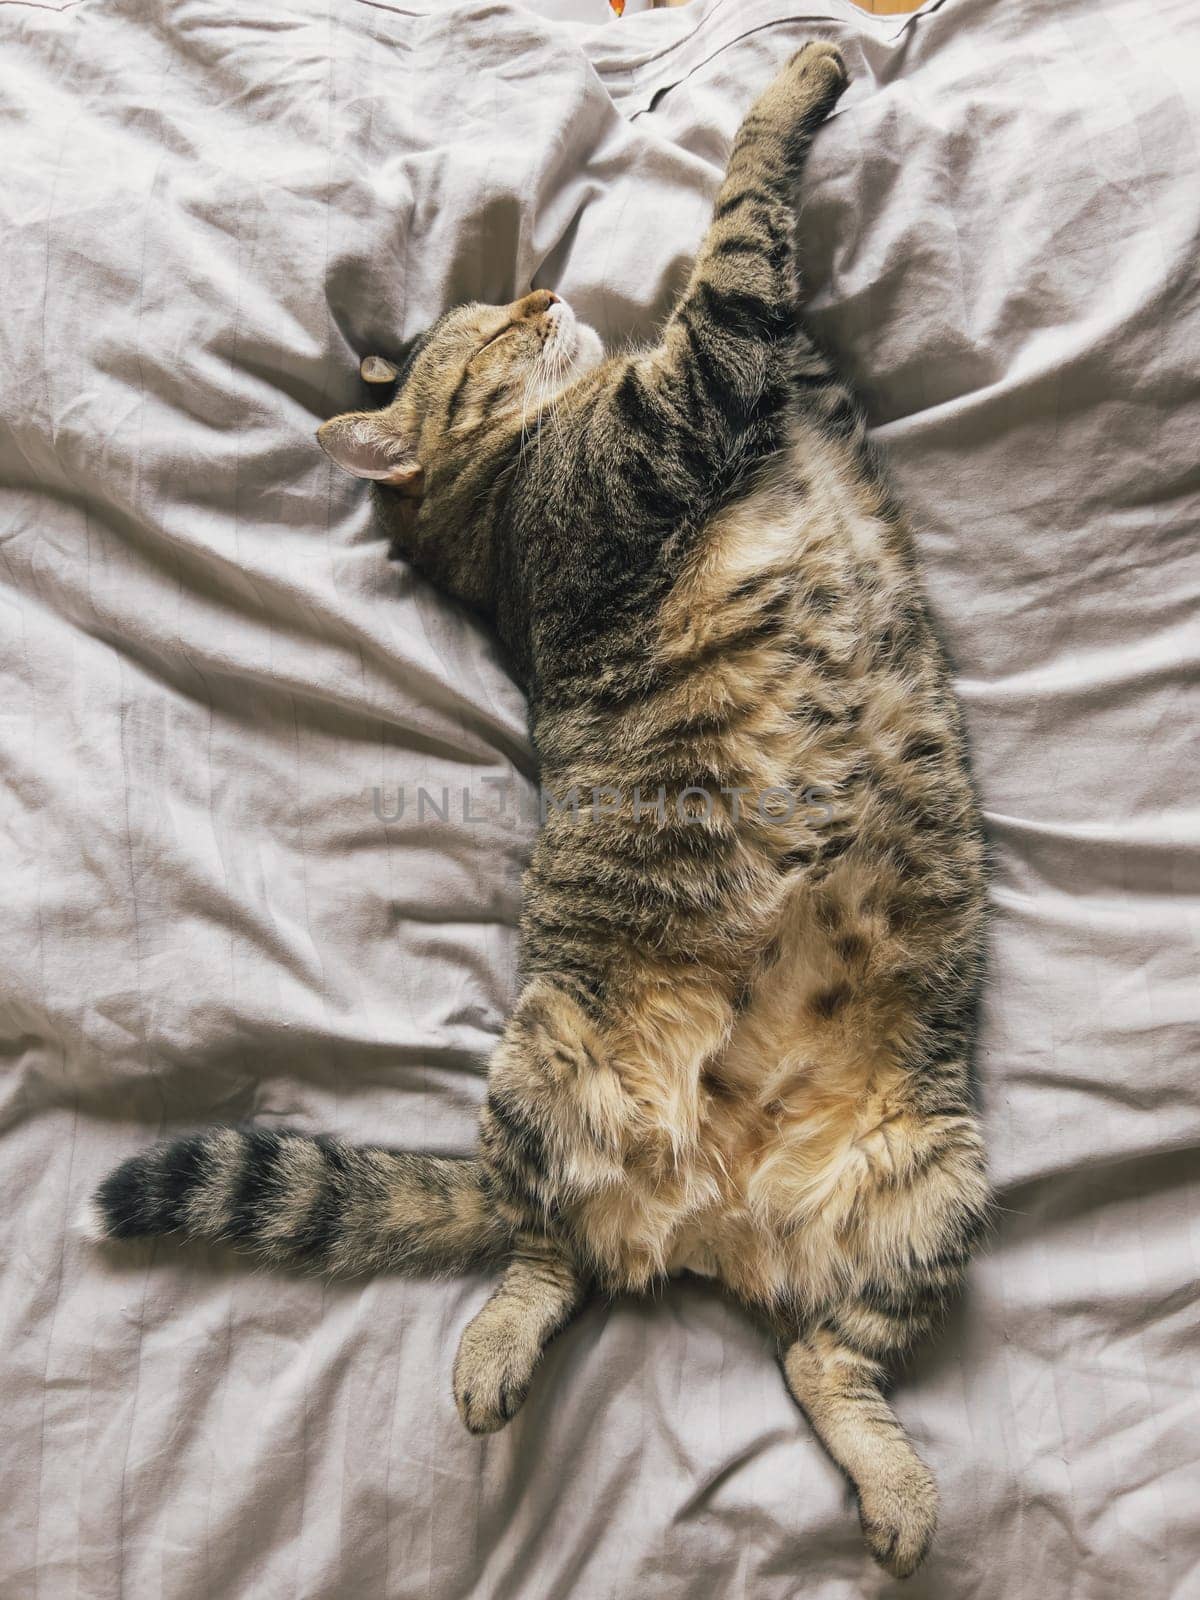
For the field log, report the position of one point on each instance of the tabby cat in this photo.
(741, 1045)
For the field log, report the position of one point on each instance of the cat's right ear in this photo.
(365, 445)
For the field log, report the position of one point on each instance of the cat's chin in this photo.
(574, 346)
(589, 349)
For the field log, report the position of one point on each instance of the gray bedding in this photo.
(215, 685)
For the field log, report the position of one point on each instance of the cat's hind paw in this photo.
(899, 1519)
(492, 1373)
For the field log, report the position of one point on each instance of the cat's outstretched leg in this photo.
(539, 1293)
(747, 255)
(719, 390)
(840, 1391)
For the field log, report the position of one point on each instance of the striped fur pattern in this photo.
(330, 1205)
(741, 1045)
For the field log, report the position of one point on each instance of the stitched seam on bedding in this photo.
(647, 86)
(888, 28)
(845, 9)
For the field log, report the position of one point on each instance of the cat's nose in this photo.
(535, 304)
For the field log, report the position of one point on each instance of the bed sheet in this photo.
(225, 901)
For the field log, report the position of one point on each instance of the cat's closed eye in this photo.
(495, 338)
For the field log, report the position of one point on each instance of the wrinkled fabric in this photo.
(216, 687)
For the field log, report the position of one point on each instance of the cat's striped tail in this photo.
(297, 1201)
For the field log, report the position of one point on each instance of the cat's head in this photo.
(468, 393)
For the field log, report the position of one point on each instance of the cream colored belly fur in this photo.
(787, 1123)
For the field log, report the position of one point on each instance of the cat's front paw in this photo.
(816, 78)
(492, 1373)
(819, 61)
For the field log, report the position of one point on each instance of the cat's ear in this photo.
(376, 369)
(362, 443)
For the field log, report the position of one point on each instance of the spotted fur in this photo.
(741, 1044)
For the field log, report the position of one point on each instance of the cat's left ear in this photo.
(365, 444)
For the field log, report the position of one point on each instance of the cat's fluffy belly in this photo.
(756, 1100)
